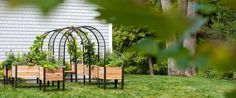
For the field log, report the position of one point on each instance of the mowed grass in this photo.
(136, 86)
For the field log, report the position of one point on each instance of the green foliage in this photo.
(73, 47)
(36, 54)
(45, 7)
(214, 74)
(112, 60)
(1, 69)
(89, 50)
(161, 68)
(128, 41)
(51, 63)
(9, 60)
(139, 13)
(24, 59)
(223, 24)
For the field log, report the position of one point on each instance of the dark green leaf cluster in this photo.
(9, 60)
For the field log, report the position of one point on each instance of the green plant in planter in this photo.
(24, 59)
(51, 63)
(9, 60)
(89, 49)
(72, 46)
(1, 69)
(112, 60)
(36, 54)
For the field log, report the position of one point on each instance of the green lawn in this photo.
(137, 86)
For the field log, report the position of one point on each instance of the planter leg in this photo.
(40, 84)
(58, 84)
(52, 83)
(9, 80)
(71, 77)
(12, 83)
(15, 82)
(122, 84)
(98, 82)
(37, 81)
(44, 85)
(84, 79)
(63, 85)
(4, 80)
(116, 81)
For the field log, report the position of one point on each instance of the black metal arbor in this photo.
(70, 34)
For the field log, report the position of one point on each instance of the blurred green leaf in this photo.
(44, 6)
(231, 94)
(147, 46)
(220, 54)
(229, 3)
(131, 12)
(205, 8)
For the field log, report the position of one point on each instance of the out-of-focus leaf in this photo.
(147, 46)
(131, 12)
(181, 55)
(200, 61)
(231, 94)
(197, 23)
(44, 5)
(221, 55)
(205, 8)
(229, 3)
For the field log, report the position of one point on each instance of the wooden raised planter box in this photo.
(7, 74)
(112, 73)
(51, 75)
(47, 75)
(26, 72)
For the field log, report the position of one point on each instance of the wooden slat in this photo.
(26, 71)
(9, 72)
(111, 73)
(52, 75)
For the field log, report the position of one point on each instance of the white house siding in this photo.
(19, 27)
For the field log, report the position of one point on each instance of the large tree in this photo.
(186, 7)
(190, 41)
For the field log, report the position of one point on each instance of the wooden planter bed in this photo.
(7, 75)
(47, 75)
(73, 71)
(112, 73)
(82, 70)
(25, 72)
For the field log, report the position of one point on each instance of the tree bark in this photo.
(186, 7)
(190, 41)
(165, 4)
(150, 66)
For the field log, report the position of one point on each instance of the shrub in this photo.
(214, 74)
(9, 60)
(1, 69)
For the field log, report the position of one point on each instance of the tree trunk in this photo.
(185, 6)
(150, 66)
(190, 41)
(165, 4)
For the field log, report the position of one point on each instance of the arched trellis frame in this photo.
(78, 30)
(69, 30)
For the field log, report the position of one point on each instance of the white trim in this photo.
(110, 38)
